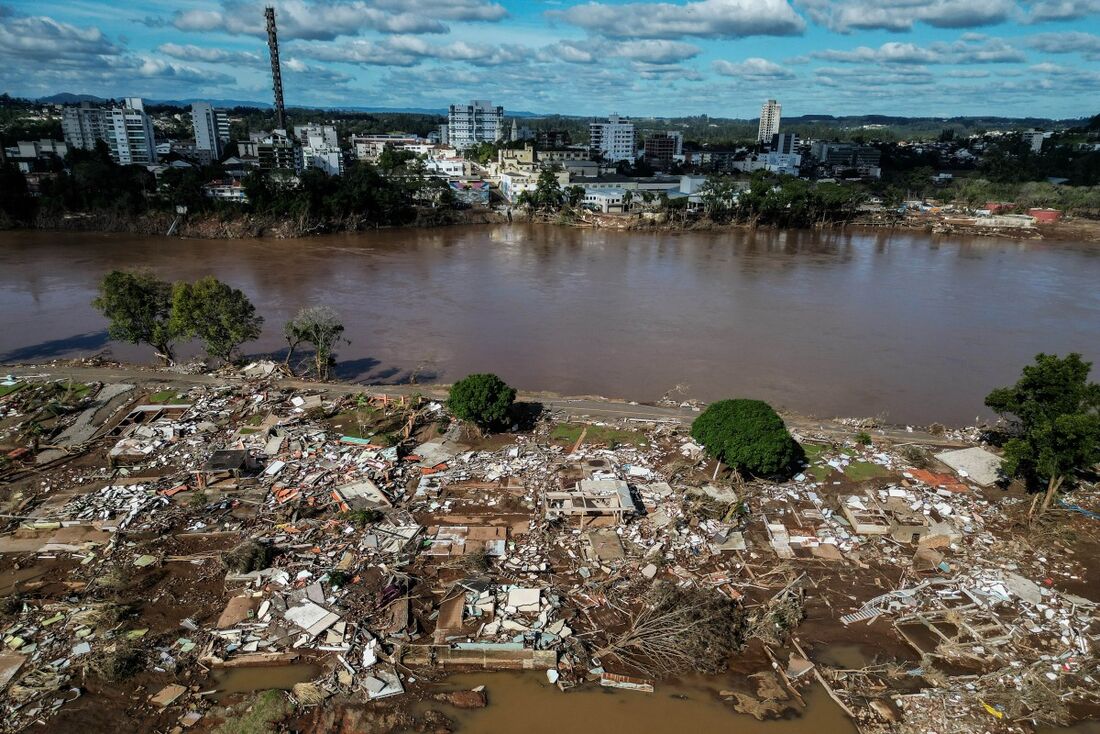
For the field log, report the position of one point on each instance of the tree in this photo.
(15, 199)
(221, 316)
(321, 328)
(483, 399)
(139, 308)
(749, 436)
(574, 196)
(1054, 414)
(548, 194)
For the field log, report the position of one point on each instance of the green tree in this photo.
(483, 399)
(319, 327)
(139, 308)
(218, 314)
(15, 199)
(749, 436)
(1054, 415)
(548, 194)
(719, 194)
(574, 195)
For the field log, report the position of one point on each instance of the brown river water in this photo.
(904, 325)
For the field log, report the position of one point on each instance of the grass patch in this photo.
(814, 451)
(612, 437)
(861, 471)
(163, 397)
(267, 708)
(820, 472)
(6, 390)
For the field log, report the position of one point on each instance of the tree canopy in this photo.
(321, 328)
(483, 399)
(219, 315)
(749, 436)
(139, 308)
(1054, 415)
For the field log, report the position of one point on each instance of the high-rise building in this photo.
(320, 148)
(613, 139)
(129, 134)
(663, 148)
(211, 130)
(84, 124)
(477, 122)
(769, 121)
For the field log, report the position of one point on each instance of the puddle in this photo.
(250, 680)
(528, 703)
(845, 657)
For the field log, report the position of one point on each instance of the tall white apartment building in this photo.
(129, 134)
(320, 148)
(84, 124)
(769, 121)
(613, 139)
(477, 122)
(211, 129)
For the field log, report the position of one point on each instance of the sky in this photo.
(937, 58)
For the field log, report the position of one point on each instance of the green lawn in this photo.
(9, 389)
(570, 432)
(861, 471)
(163, 397)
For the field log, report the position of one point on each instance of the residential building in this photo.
(613, 139)
(320, 148)
(608, 201)
(130, 134)
(553, 139)
(477, 122)
(769, 121)
(228, 189)
(211, 128)
(29, 155)
(785, 143)
(82, 125)
(1034, 140)
(369, 147)
(846, 155)
(278, 152)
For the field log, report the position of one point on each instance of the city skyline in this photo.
(719, 57)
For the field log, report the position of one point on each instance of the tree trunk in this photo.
(1052, 489)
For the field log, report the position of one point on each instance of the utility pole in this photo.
(276, 69)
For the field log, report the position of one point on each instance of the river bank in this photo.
(127, 527)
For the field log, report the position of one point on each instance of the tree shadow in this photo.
(87, 342)
(525, 415)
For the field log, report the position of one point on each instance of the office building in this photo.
(786, 143)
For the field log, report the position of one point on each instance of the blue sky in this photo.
(678, 57)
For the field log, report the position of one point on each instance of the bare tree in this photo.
(678, 631)
(319, 327)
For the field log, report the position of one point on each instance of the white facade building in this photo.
(1034, 139)
(769, 121)
(320, 148)
(477, 122)
(613, 139)
(129, 134)
(211, 128)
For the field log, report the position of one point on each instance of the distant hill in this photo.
(69, 98)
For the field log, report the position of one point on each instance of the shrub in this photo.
(483, 399)
(749, 436)
(863, 438)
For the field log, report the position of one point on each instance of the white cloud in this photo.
(405, 50)
(697, 18)
(591, 50)
(845, 16)
(1044, 10)
(210, 55)
(38, 38)
(752, 69)
(970, 49)
(1069, 42)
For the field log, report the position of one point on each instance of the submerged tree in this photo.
(1054, 414)
(219, 315)
(139, 308)
(319, 327)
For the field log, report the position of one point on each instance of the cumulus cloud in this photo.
(845, 16)
(1048, 10)
(1069, 42)
(38, 38)
(591, 50)
(697, 18)
(752, 69)
(967, 50)
(407, 50)
(210, 55)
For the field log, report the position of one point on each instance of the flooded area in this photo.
(251, 679)
(688, 707)
(903, 325)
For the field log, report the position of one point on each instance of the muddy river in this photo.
(904, 325)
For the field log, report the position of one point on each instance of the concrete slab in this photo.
(976, 464)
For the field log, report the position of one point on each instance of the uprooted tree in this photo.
(219, 315)
(678, 631)
(139, 308)
(1054, 421)
(749, 436)
(482, 399)
(319, 327)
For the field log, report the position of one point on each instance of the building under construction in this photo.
(276, 68)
